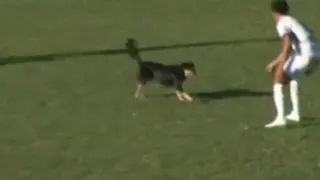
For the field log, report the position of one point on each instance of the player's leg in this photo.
(278, 96)
(294, 114)
(295, 71)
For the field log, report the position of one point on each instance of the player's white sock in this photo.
(294, 94)
(278, 100)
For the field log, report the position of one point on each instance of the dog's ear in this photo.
(187, 64)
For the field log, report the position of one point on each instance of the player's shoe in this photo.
(293, 117)
(278, 122)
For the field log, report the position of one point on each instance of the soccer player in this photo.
(299, 55)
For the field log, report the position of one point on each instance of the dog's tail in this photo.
(133, 51)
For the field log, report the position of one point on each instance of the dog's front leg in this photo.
(182, 96)
(187, 96)
(179, 96)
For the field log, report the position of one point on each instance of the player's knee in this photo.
(283, 78)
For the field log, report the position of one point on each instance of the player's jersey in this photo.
(303, 40)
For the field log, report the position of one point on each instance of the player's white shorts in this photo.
(297, 65)
(304, 62)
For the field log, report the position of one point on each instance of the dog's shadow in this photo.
(208, 96)
(229, 93)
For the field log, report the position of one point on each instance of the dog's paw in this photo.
(140, 97)
(190, 100)
(187, 97)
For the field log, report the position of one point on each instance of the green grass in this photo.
(75, 118)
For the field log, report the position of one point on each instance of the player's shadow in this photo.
(305, 123)
(17, 59)
(208, 96)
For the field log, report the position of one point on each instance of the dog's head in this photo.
(189, 69)
(132, 47)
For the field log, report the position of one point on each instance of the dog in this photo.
(171, 76)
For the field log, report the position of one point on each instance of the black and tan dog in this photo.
(167, 75)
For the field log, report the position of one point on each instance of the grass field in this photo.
(67, 108)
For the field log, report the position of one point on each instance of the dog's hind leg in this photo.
(138, 89)
(139, 92)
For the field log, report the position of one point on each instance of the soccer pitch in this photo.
(67, 107)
